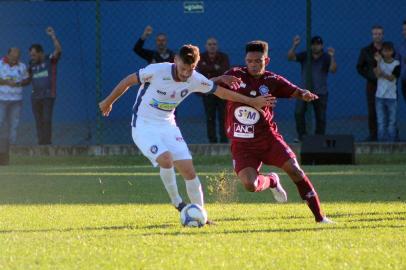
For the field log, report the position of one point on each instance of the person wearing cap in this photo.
(365, 67)
(322, 63)
(387, 71)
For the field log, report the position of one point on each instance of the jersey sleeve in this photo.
(281, 87)
(202, 85)
(147, 74)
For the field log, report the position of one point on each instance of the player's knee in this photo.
(295, 172)
(189, 173)
(165, 160)
(249, 186)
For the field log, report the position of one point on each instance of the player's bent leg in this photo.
(305, 187)
(168, 176)
(193, 185)
(255, 182)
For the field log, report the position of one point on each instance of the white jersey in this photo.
(160, 94)
(386, 88)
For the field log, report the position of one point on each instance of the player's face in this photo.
(377, 35)
(256, 63)
(183, 71)
(161, 42)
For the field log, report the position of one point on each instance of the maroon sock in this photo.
(307, 193)
(264, 182)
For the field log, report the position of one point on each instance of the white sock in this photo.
(168, 177)
(194, 191)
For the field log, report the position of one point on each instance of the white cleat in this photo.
(326, 220)
(278, 192)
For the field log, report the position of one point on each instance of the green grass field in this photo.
(113, 213)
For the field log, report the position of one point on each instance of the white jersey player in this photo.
(154, 130)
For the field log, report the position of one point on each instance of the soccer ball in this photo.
(193, 215)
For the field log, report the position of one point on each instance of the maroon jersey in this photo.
(245, 123)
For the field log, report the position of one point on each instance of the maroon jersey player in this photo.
(254, 135)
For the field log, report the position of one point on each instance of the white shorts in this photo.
(155, 138)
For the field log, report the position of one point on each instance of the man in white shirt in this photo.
(13, 76)
(154, 129)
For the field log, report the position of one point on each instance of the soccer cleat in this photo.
(180, 206)
(326, 220)
(278, 192)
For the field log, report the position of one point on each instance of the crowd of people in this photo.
(41, 75)
(381, 74)
(381, 64)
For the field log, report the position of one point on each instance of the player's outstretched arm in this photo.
(305, 95)
(107, 104)
(257, 102)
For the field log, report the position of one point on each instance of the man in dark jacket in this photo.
(161, 54)
(213, 63)
(365, 66)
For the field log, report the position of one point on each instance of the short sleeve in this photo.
(281, 87)
(396, 71)
(301, 57)
(202, 85)
(147, 74)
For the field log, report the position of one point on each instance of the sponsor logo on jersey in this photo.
(263, 90)
(154, 149)
(163, 106)
(246, 115)
(243, 131)
(184, 92)
(243, 85)
(166, 78)
(161, 92)
(253, 93)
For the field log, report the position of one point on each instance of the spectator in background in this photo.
(43, 75)
(401, 56)
(387, 71)
(160, 55)
(13, 76)
(365, 67)
(322, 63)
(213, 63)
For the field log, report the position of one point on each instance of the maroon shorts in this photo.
(274, 152)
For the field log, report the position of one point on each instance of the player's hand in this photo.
(263, 101)
(50, 31)
(296, 40)
(231, 81)
(147, 32)
(331, 51)
(309, 96)
(105, 108)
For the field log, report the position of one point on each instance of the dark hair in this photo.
(388, 45)
(189, 54)
(36, 47)
(257, 46)
(377, 26)
(404, 22)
